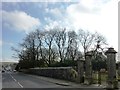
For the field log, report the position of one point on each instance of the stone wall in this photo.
(65, 73)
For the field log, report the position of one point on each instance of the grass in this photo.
(103, 77)
(118, 78)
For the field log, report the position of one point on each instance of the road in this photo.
(20, 80)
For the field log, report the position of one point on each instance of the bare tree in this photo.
(60, 39)
(86, 39)
(100, 39)
(29, 47)
(72, 45)
(43, 47)
(49, 40)
(40, 47)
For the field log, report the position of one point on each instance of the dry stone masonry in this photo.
(111, 68)
(81, 70)
(88, 68)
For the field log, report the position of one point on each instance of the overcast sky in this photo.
(20, 18)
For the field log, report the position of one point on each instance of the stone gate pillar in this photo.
(81, 70)
(119, 69)
(88, 68)
(111, 68)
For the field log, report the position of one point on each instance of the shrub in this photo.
(66, 63)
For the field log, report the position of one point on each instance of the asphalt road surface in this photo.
(20, 80)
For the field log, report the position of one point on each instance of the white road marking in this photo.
(16, 81)
(13, 78)
(20, 85)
